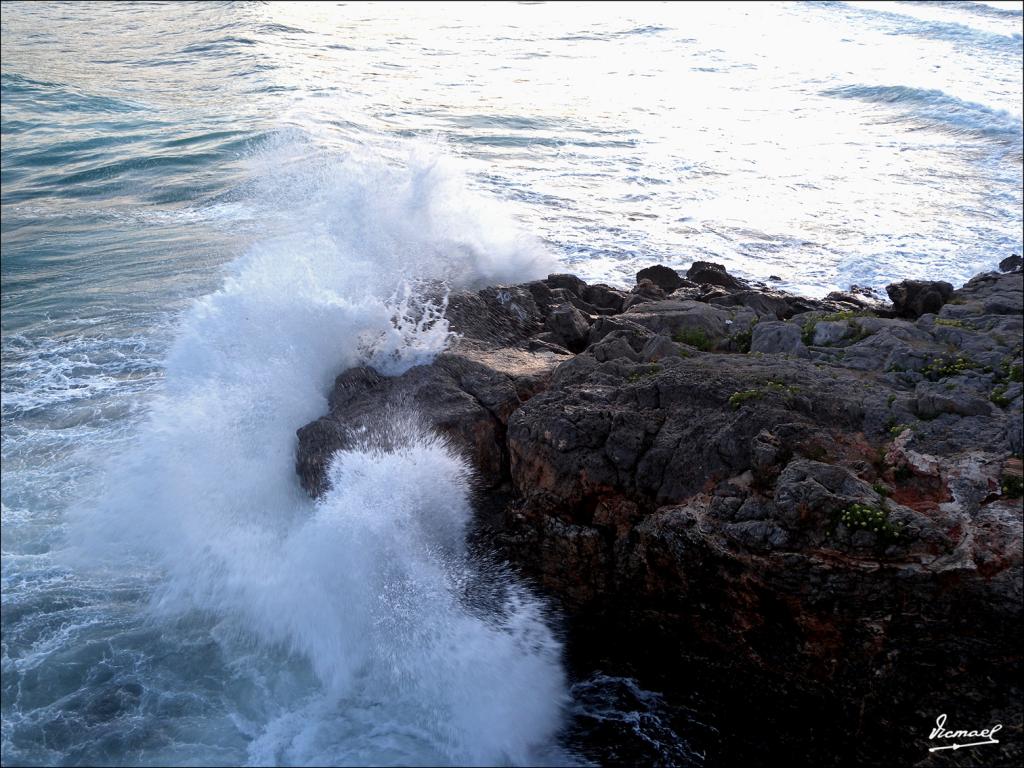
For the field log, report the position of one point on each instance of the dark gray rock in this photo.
(604, 325)
(661, 347)
(644, 291)
(1013, 263)
(818, 529)
(499, 316)
(695, 323)
(935, 398)
(764, 303)
(466, 396)
(858, 297)
(626, 343)
(987, 295)
(714, 274)
(568, 282)
(829, 332)
(665, 278)
(913, 298)
(605, 299)
(694, 425)
(778, 338)
(569, 327)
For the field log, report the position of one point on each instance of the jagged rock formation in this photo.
(808, 507)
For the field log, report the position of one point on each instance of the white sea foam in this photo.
(941, 111)
(367, 584)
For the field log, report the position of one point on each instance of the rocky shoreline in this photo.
(803, 513)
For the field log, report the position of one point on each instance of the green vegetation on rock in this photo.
(736, 399)
(862, 517)
(847, 315)
(1012, 486)
(639, 375)
(941, 367)
(741, 340)
(999, 396)
(694, 337)
(859, 333)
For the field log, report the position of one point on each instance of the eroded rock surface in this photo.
(913, 298)
(809, 507)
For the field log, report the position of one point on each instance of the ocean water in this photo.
(208, 211)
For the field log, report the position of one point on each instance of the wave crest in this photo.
(366, 585)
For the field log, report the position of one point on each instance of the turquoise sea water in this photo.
(210, 210)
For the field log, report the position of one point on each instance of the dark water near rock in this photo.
(210, 210)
